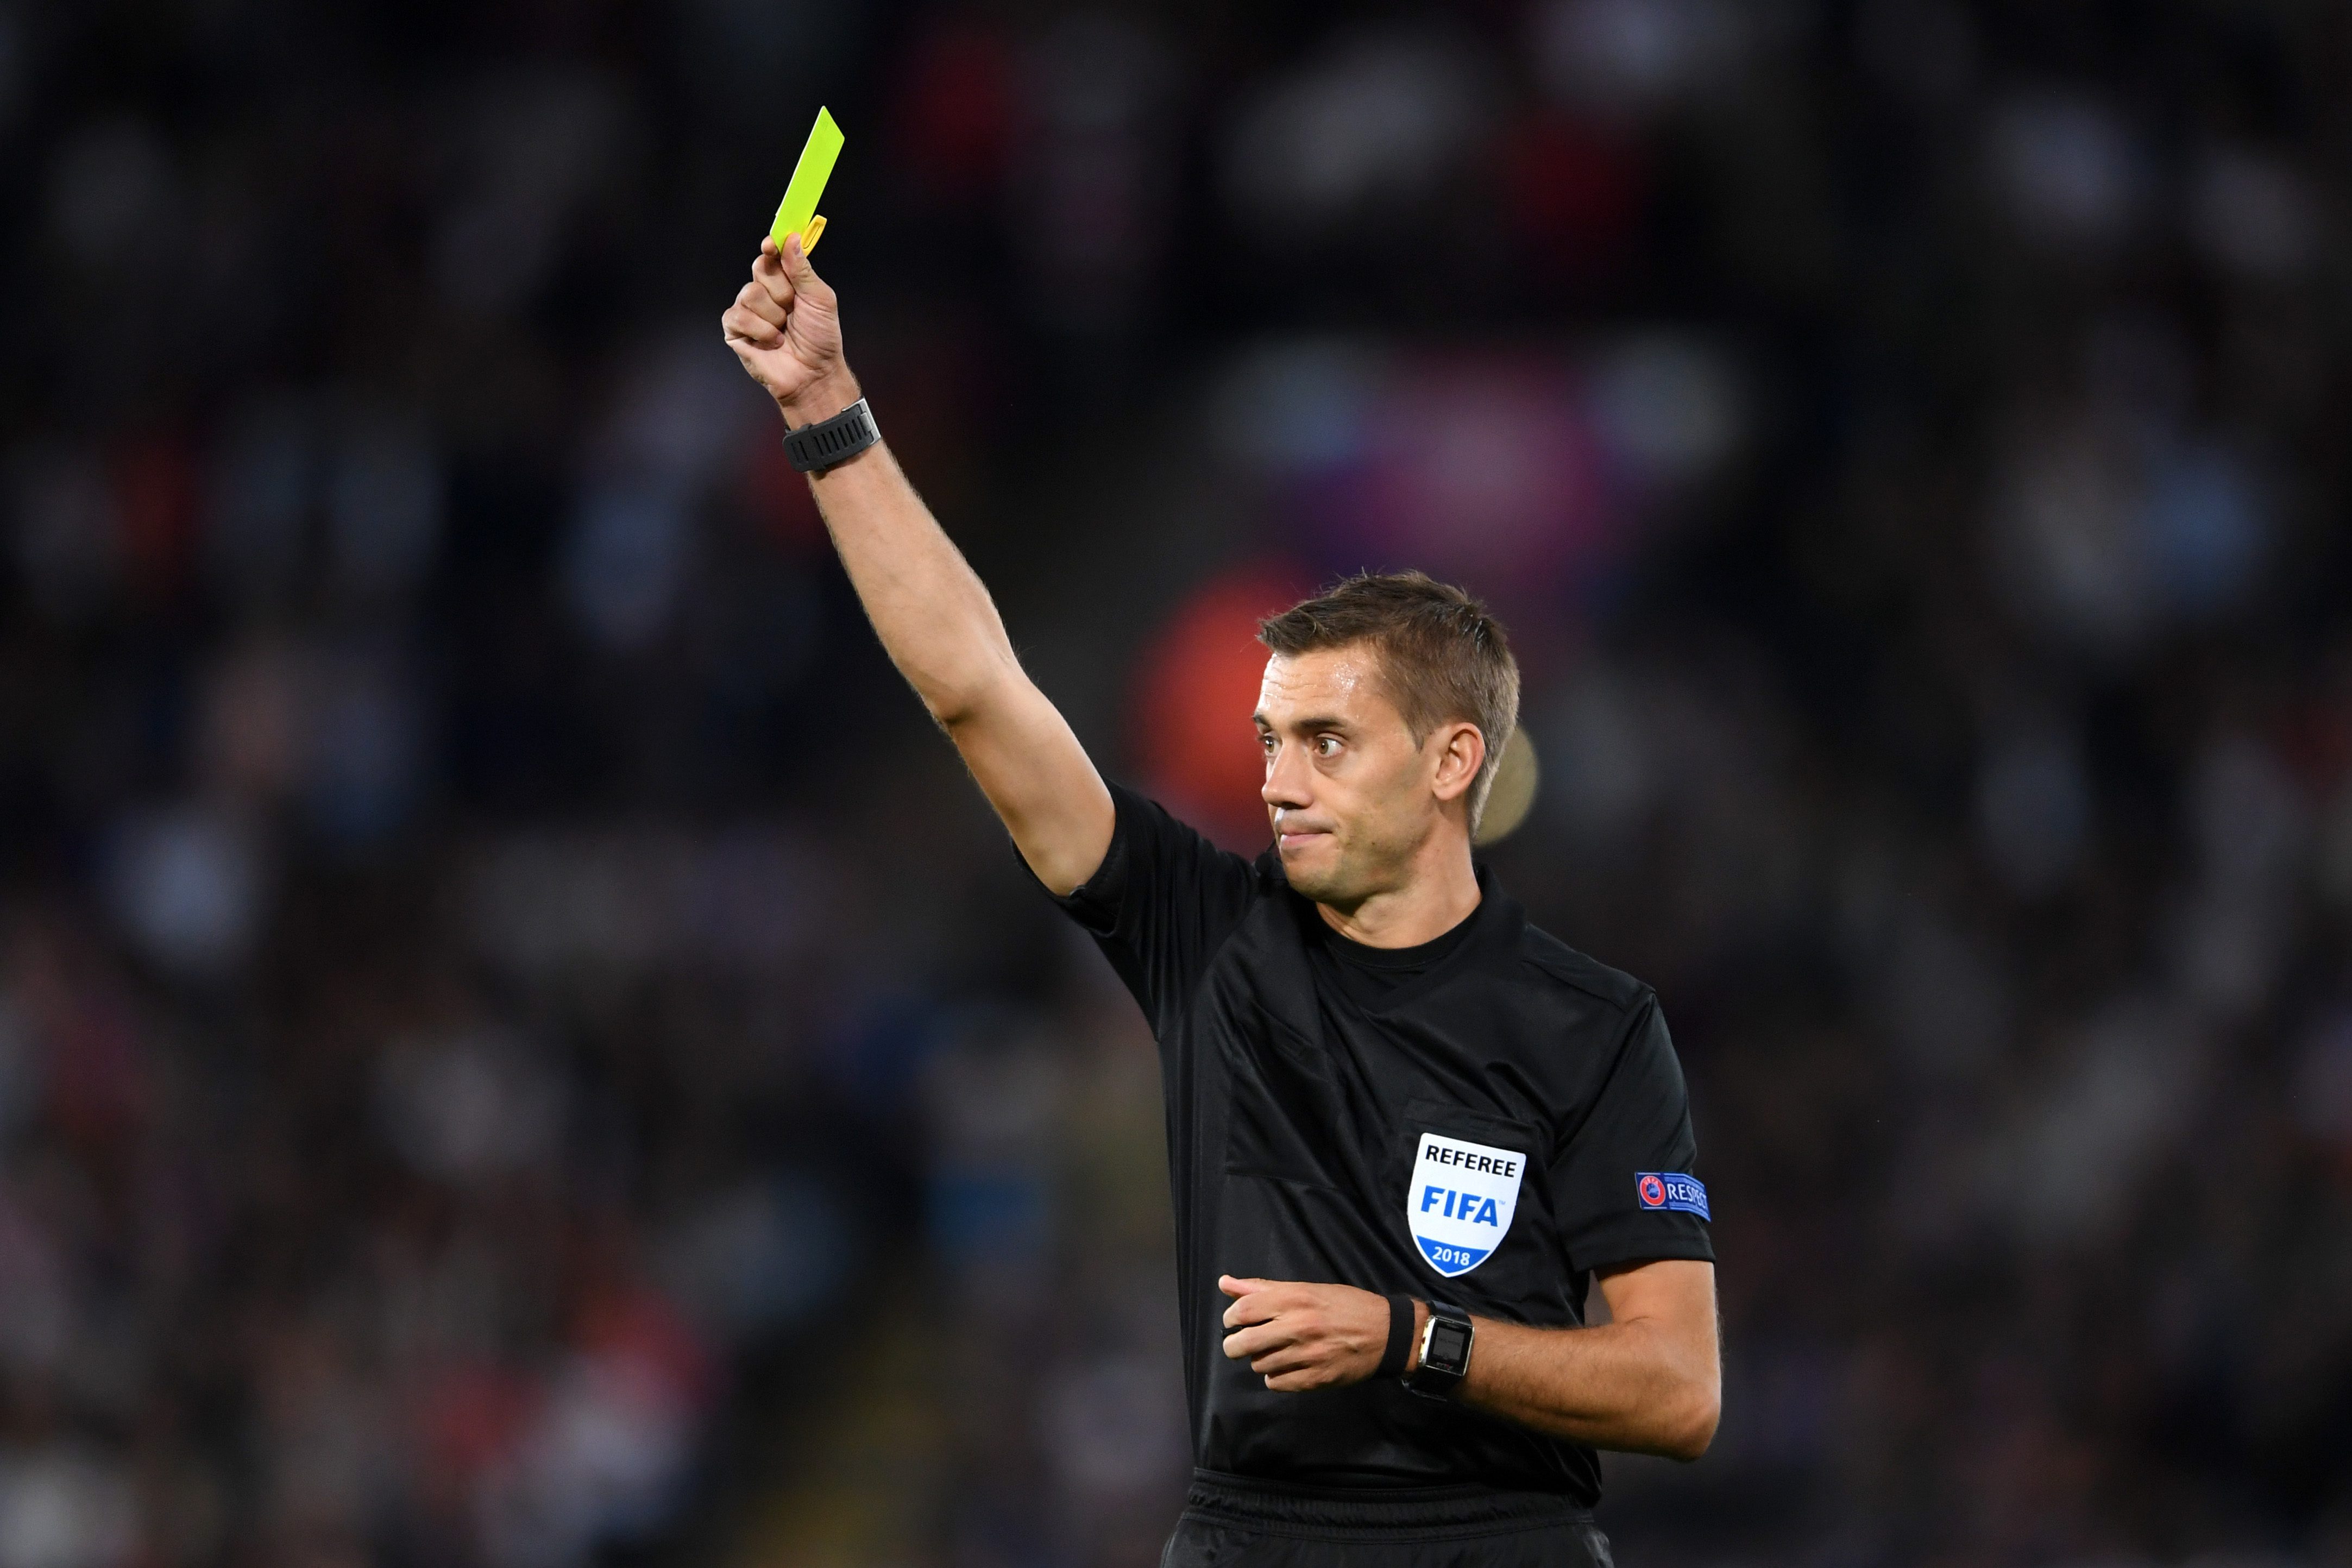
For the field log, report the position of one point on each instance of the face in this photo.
(1353, 799)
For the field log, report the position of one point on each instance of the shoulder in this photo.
(1155, 830)
(1553, 960)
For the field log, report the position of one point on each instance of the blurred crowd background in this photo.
(518, 1046)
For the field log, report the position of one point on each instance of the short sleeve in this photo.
(1615, 1186)
(1160, 903)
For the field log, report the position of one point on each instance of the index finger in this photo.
(1255, 1307)
(772, 280)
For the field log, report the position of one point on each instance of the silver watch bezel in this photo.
(1429, 1378)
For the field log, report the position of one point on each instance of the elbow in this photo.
(954, 704)
(1691, 1427)
(950, 710)
(956, 701)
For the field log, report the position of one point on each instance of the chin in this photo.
(1324, 883)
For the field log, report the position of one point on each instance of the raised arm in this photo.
(933, 614)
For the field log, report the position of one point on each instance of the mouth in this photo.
(1289, 836)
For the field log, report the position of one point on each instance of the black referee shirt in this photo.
(1484, 1119)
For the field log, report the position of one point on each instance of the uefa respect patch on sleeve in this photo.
(1672, 1190)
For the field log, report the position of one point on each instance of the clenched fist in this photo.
(785, 326)
(1299, 1337)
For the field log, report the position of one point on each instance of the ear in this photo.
(1459, 751)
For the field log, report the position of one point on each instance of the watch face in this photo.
(1449, 1346)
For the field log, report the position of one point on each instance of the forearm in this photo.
(1649, 1381)
(930, 610)
(1632, 1386)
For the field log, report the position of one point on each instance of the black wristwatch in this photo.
(1444, 1353)
(814, 448)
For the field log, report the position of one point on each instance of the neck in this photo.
(1439, 896)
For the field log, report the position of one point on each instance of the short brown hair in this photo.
(1442, 657)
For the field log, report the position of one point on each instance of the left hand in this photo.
(1299, 1337)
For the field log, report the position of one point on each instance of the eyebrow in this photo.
(1315, 723)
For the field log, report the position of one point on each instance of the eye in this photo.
(1327, 746)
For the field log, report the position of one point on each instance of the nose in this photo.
(1286, 775)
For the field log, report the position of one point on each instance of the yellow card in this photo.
(815, 167)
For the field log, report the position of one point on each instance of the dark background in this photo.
(518, 1046)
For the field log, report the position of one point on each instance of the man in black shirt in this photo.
(1407, 1131)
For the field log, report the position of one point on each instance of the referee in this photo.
(1406, 1130)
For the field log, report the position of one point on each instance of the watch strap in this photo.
(813, 448)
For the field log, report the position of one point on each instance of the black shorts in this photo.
(1232, 1522)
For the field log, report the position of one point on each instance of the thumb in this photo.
(815, 320)
(1233, 1287)
(796, 263)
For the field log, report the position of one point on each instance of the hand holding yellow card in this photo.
(797, 212)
